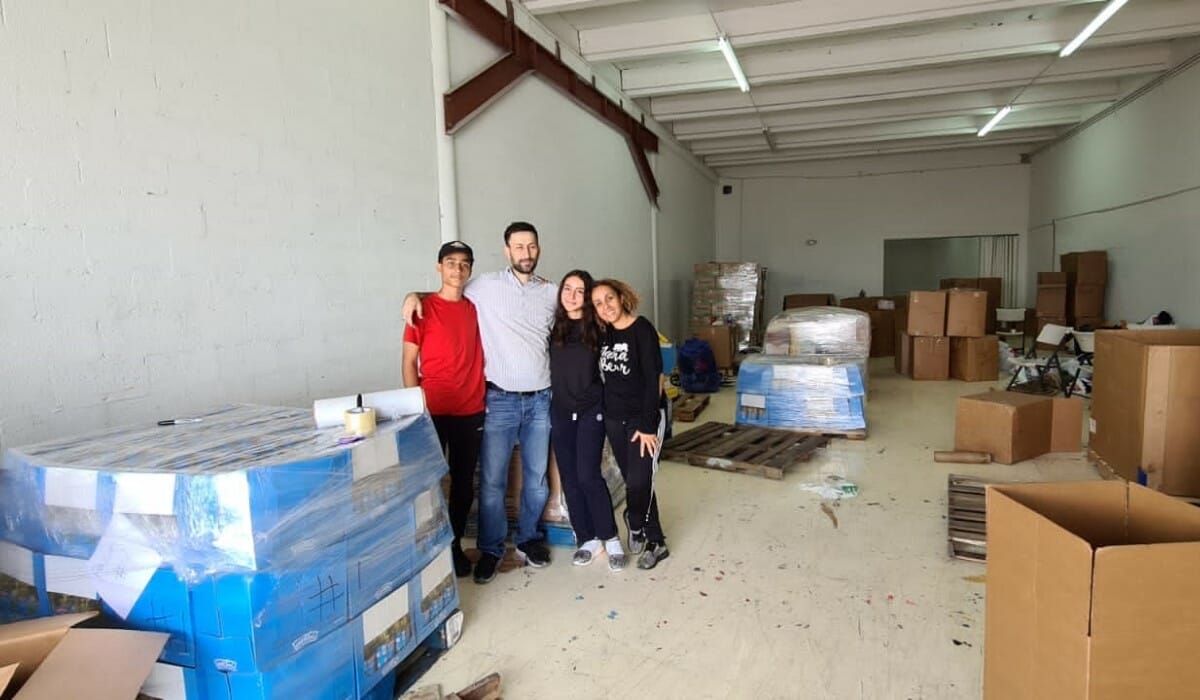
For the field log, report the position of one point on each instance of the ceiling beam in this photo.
(543, 7)
(983, 102)
(767, 24)
(1024, 35)
(1089, 64)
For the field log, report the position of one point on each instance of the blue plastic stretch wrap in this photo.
(824, 392)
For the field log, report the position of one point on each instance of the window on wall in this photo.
(922, 263)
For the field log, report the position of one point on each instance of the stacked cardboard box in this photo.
(1086, 277)
(800, 301)
(1051, 302)
(945, 336)
(993, 286)
(730, 294)
(280, 562)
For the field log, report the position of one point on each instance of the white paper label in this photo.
(145, 494)
(122, 565)
(436, 572)
(71, 488)
(166, 682)
(754, 401)
(382, 615)
(70, 576)
(1091, 425)
(423, 505)
(17, 562)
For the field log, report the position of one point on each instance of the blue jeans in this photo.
(511, 418)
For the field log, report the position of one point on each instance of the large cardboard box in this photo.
(1091, 593)
(926, 314)
(863, 303)
(1066, 430)
(1146, 406)
(966, 313)
(904, 348)
(1052, 278)
(1051, 300)
(883, 332)
(49, 658)
(1010, 426)
(930, 358)
(1085, 301)
(1090, 267)
(800, 301)
(975, 359)
(721, 339)
(959, 283)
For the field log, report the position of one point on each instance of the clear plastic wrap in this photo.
(819, 392)
(248, 535)
(730, 293)
(820, 330)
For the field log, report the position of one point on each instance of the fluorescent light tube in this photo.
(994, 120)
(731, 59)
(1109, 10)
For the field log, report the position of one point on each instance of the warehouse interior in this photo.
(220, 204)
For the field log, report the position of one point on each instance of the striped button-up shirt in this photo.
(514, 323)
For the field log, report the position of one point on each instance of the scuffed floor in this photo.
(763, 596)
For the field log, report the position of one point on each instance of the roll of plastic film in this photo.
(360, 422)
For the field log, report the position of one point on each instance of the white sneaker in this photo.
(584, 555)
(616, 555)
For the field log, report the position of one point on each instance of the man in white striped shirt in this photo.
(516, 311)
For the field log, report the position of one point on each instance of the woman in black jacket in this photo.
(631, 364)
(577, 421)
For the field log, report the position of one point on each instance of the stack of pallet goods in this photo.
(1086, 278)
(883, 312)
(992, 286)
(946, 336)
(281, 560)
(813, 374)
(729, 295)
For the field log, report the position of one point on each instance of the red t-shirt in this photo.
(451, 359)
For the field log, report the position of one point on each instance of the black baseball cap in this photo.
(456, 247)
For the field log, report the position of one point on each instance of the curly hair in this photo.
(588, 324)
(629, 298)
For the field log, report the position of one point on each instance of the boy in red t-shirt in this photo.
(447, 345)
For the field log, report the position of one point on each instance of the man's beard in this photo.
(525, 266)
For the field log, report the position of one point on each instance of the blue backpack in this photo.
(698, 372)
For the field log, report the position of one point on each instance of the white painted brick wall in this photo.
(206, 202)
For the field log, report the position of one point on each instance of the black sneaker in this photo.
(655, 552)
(637, 538)
(535, 553)
(485, 568)
(462, 565)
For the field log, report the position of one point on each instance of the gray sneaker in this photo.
(582, 557)
(655, 552)
(617, 562)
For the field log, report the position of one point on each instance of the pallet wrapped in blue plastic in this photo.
(274, 553)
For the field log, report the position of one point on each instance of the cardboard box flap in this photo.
(99, 664)
(1038, 601)
(1093, 511)
(6, 676)
(27, 642)
(1154, 517)
(1144, 632)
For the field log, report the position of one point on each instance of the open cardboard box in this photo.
(50, 658)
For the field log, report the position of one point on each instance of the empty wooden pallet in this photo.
(967, 517)
(740, 448)
(688, 407)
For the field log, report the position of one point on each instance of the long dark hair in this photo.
(563, 323)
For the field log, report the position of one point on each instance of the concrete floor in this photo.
(763, 596)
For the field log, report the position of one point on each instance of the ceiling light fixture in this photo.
(732, 59)
(995, 120)
(1109, 10)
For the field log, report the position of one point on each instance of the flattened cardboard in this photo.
(930, 358)
(926, 314)
(1010, 426)
(975, 359)
(28, 642)
(1066, 431)
(99, 664)
(1090, 593)
(966, 313)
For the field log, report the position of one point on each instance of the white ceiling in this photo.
(841, 78)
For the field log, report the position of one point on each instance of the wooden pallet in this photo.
(740, 448)
(966, 517)
(687, 407)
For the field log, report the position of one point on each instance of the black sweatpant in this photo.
(640, 500)
(578, 439)
(460, 437)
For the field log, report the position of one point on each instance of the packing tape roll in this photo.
(388, 405)
(360, 422)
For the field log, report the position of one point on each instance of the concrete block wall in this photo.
(207, 203)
